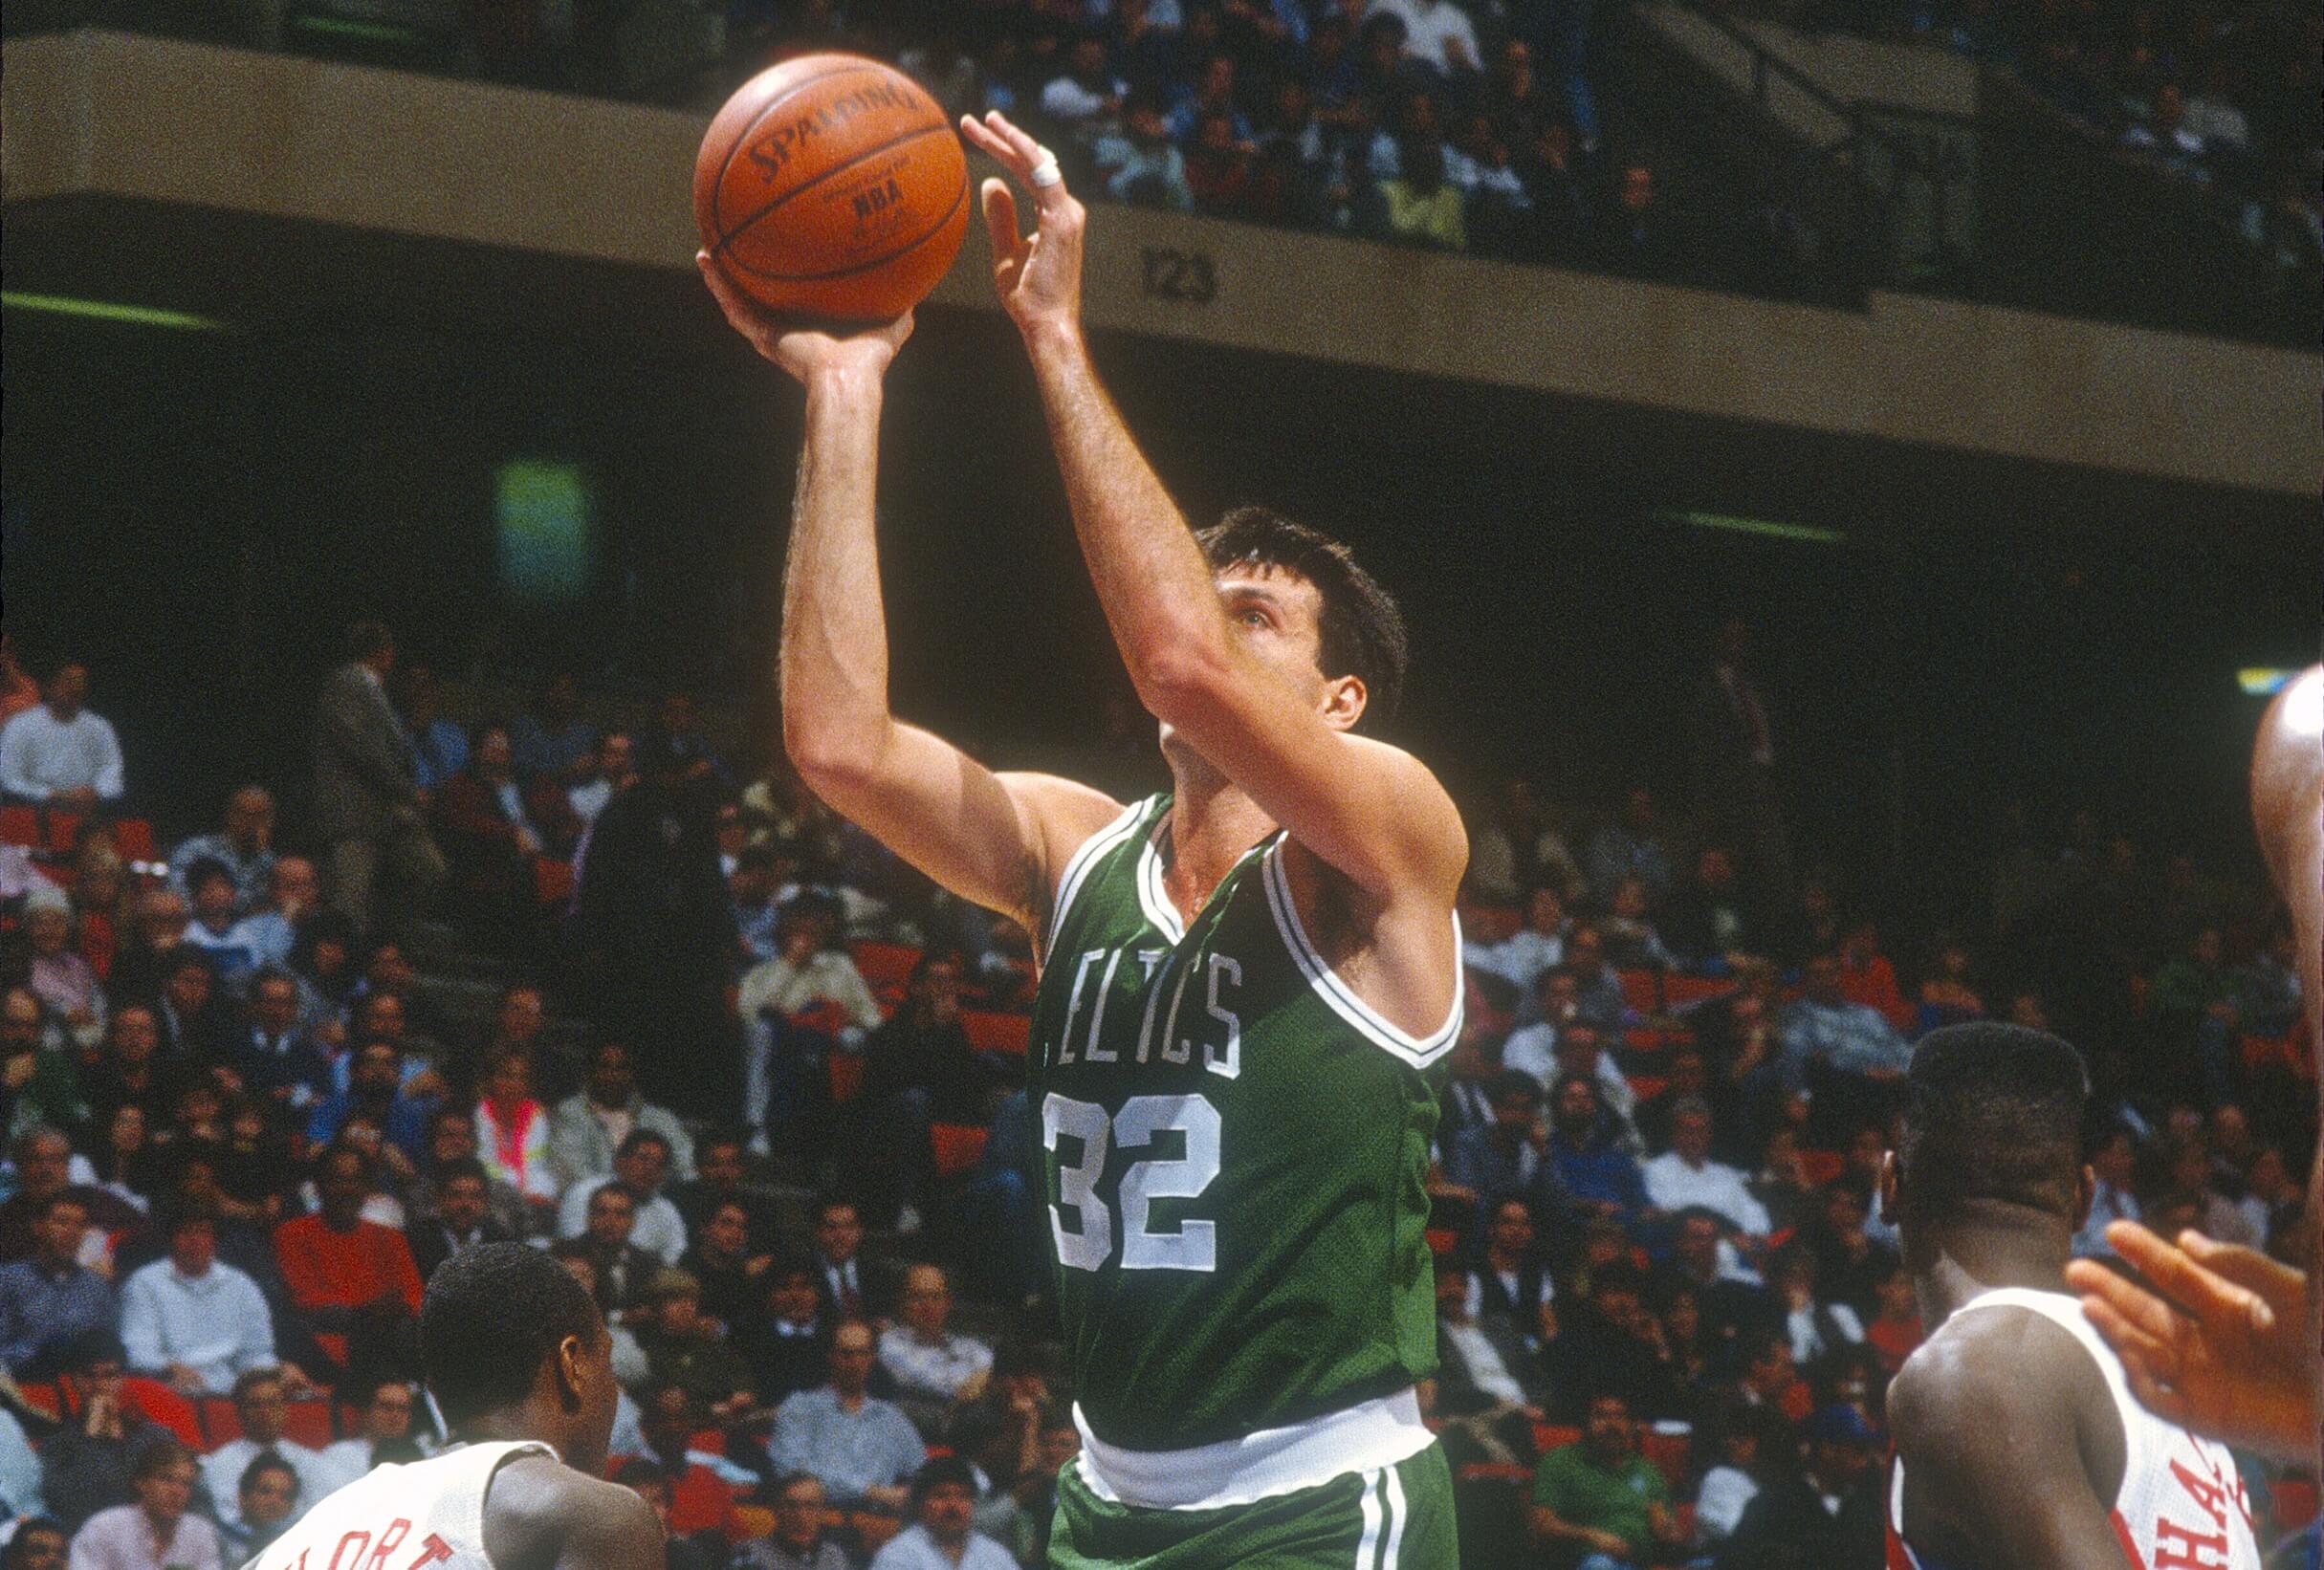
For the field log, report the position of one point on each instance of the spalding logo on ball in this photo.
(832, 186)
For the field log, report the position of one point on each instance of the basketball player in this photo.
(521, 1366)
(2238, 1352)
(1249, 987)
(2018, 1440)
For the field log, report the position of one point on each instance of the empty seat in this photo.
(1003, 1033)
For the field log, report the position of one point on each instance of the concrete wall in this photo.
(112, 116)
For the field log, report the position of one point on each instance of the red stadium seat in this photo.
(309, 1422)
(957, 1146)
(1648, 1086)
(824, 1019)
(552, 879)
(133, 838)
(158, 1403)
(1442, 1240)
(221, 1423)
(1821, 1167)
(1685, 991)
(1642, 990)
(62, 827)
(847, 1070)
(42, 1396)
(1003, 1033)
(19, 826)
(1668, 1452)
(2296, 1504)
(888, 963)
(1550, 1436)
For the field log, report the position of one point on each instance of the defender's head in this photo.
(511, 1339)
(1992, 1131)
(1302, 604)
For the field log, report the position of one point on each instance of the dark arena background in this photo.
(1960, 359)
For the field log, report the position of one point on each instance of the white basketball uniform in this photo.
(421, 1516)
(2181, 1505)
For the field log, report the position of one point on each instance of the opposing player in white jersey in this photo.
(521, 1365)
(2018, 1441)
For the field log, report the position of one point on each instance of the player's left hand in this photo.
(802, 351)
(1039, 278)
(2227, 1354)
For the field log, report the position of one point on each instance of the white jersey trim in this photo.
(1421, 1051)
(1077, 867)
(1369, 1436)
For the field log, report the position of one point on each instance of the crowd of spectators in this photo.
(761, 1088)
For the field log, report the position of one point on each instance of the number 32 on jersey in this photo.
(1083, 1224)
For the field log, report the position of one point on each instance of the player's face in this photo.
(1278, 614)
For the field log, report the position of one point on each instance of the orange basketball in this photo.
(832, 186)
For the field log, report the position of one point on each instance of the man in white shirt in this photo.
(60, 753)
(1087, 95)
(1526, 954)
(160, 1532)
(196, 1322)
(589, 1126)
(926, 1358)
(1437, 33)
(943, 1502)
(640, 1168)
(268, 932)
(1686, 1177)
(1547, 1050)
(260, 1406)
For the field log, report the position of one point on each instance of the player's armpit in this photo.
(1993, 1468)
(997, 839)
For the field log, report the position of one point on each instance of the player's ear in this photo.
(570, 1366)
(1344, 698)
(2085, 1196)
(1888, 1187)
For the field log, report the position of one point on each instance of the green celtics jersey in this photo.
(1236, 1153)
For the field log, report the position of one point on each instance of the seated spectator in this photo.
(684, 1348)
(89, 1464)
(622, 1270)
(160, 1532)
(261, 1407)
(1686, 1176)
(1613, 1343)
(276, 1058)
(384, 1438)
(1599, 1497)
(1710, 926)
(38, 1085)
(864, 1448)
(942, 1504)
(719, 1181)
(1731, 1300)
(1818, 1326)
(788, 1345)
(132, 1070)
(1555, 1005)
(459, 1215)
(195, 1019)
(1221, 170)
(1894, 1332)
(270, 930)
(50, 1302)
(65, 982)
(1828, 1511)
(640, 1169)
(699, 1499)
(58, 753)
(209, 889)
(1438, 34)
(2114, 1161)
(1947, 995)
(930, 1362)
(1632, 943)
(1534, 949)
(244, 847)
(44, 1166)
(439, 747)
(589, 1126)
(192, 1321)
(733, 1279)
(270, 1500)
(1846, 1056)
(1688, 1079)
(1850, 1264)
(1086, 95)
(846, 1282)
(1597, 991)
(759, 874)
(550, 738)
(804, 973)
(601, 775)
(1867, 978)
(801, 1536)
(1506, 1158)
(1752, 1445)
(148, 944)
(1490, 1388)
(512, 1132)
(352, 1279)
(1598, 1174)
(375, 1090)
(2191, 1010)
(1632, 844)
(1210, 92)
(919, 1069)
(1512, 1284)
(1516, 851)
(1417, 205)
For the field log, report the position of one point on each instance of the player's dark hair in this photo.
(1992, 1113)
(1360, 629)
(494, 1314)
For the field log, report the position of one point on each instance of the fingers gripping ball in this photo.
(832, 186)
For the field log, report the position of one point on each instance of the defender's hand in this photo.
(1039, 279)
(802, 350)
(2230, 1360)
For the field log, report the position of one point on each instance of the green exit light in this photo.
(545, 516)
(128, 315)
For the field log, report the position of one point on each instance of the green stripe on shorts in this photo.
(1397, 1518)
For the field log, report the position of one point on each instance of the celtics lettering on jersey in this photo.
(1234, 1151)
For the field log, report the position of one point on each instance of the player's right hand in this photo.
(802, 350)
(1038, 277)
(2227, 1354)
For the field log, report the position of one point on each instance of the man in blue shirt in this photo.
(1600, 1175)
(864, 1448)
(48, 1299)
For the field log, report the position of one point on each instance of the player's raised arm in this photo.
(1992, 1454)
(993, 838)
(1369, 810)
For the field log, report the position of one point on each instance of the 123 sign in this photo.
(1173, 275)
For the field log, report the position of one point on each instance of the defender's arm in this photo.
(1369, 810)
(997, 839)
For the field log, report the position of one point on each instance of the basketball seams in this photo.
(743, 139)
(806, 186)
(883, 260)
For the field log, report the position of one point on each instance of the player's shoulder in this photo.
(1983, 1374)
(541, 1514)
